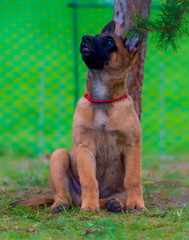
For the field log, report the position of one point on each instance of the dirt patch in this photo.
(166, 194)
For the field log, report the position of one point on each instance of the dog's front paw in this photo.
(90, 207)
(135, 204)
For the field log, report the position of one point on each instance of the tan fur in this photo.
(106, 154)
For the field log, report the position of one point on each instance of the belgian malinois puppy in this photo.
(103, 168)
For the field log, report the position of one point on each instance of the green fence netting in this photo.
(42, 76)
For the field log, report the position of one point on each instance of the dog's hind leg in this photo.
(59, 179)
(115, 203)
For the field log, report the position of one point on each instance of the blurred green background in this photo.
(39, 84)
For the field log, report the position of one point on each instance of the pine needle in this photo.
(170, 27)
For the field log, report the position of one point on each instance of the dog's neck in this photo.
(102, 85)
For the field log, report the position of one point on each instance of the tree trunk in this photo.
(123, 11)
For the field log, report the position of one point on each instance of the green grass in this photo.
(166, 193)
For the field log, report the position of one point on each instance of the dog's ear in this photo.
(109, 28)
(133, 43)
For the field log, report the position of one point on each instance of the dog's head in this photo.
(107, 51)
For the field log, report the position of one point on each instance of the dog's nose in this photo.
(87, 38)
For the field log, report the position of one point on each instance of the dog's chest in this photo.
(106, 132)
(106, 129)
(101, 119)
(108, 153)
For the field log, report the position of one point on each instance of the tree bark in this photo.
(123, 10)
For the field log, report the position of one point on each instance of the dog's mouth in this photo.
(90, 56)
(85, 50)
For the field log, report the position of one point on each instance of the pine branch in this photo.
(169, 28)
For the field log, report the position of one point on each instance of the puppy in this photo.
(103, 168)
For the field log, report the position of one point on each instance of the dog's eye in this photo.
(110, 42)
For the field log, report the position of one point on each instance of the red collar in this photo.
(103, 101)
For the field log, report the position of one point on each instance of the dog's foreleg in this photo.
(59, 179)
(133, 175)
(87, 175)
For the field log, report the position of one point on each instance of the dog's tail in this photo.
(38, 201)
